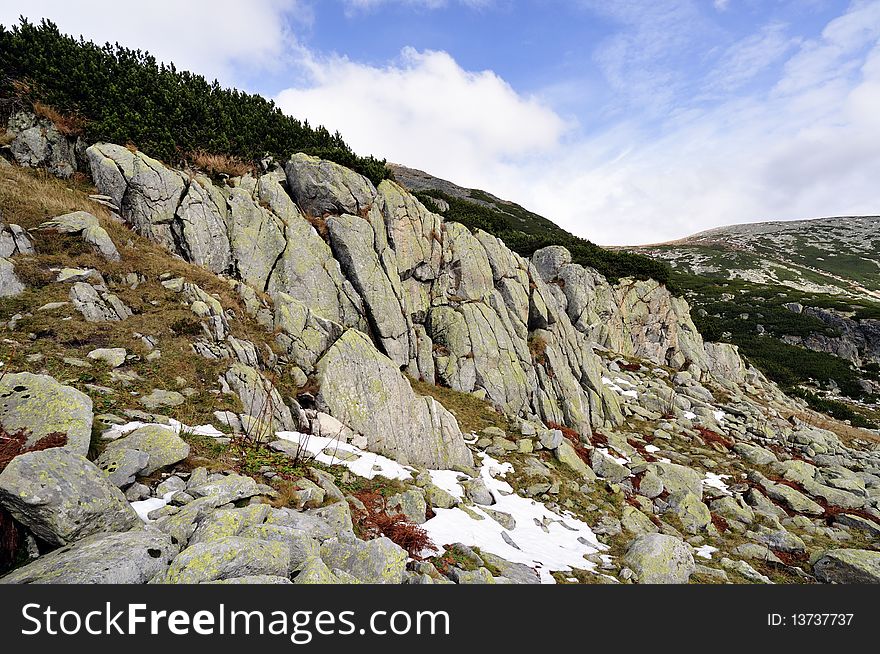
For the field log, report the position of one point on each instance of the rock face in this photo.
(41, 406)
(37, 142)
(61, 497)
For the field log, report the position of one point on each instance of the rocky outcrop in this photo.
(857, 341)
(447, 305)
(38, 143)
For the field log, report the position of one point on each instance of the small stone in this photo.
(113, 357)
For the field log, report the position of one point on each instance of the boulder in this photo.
(378, 561)
(677, 478)
(608, 468)
(161, 399)
(691, 512)
(366, 391)
(88, 227)
(10, 284)
(660, 559)
(97, 306)
(322, 187)
(61, 497)
(122, 465)
(569, 457)
(38, 143)
(112, 356)
(847, 566)
(163, 446)
(228, 558)
(133, 557)
(226, 488)
(41, 406)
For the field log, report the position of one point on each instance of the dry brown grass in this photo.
(67, 124)
(28, 198)
(220, 164)
(320, 225)
(6, 138)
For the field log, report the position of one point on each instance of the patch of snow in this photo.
(719, 415)
(144, 507)
(332, 451)
(201, 430)
(118, 431)
(690, 415)
(650, 449)
(715, 481)
(705, 551)
(545, 540)
(617, 389)
(447, 480)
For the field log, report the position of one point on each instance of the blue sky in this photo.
(627, 122)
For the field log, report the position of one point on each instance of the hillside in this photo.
(298, 376)
(778, 288)
(835, 256)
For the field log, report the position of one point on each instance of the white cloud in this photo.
(721, 5)
(810, 146)
(213, 37)
(425, 110)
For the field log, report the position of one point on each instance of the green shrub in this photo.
(525, 232)
(126, 96)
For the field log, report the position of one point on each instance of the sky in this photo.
(626, 122)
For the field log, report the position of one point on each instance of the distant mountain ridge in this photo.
(838, 255)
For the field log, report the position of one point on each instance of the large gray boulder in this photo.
(133, 557)
(366, 391)
(41, 406)
(10, 284)
(660, 559)
(848, 566)
(160, 443)
(146, 192)
(61, 497)
(378, 561)
(38, 143)
(97, 306)
(228, 558)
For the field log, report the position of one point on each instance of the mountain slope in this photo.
(799, 298)
(836, 256)
(522, 231)
(777, 289)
